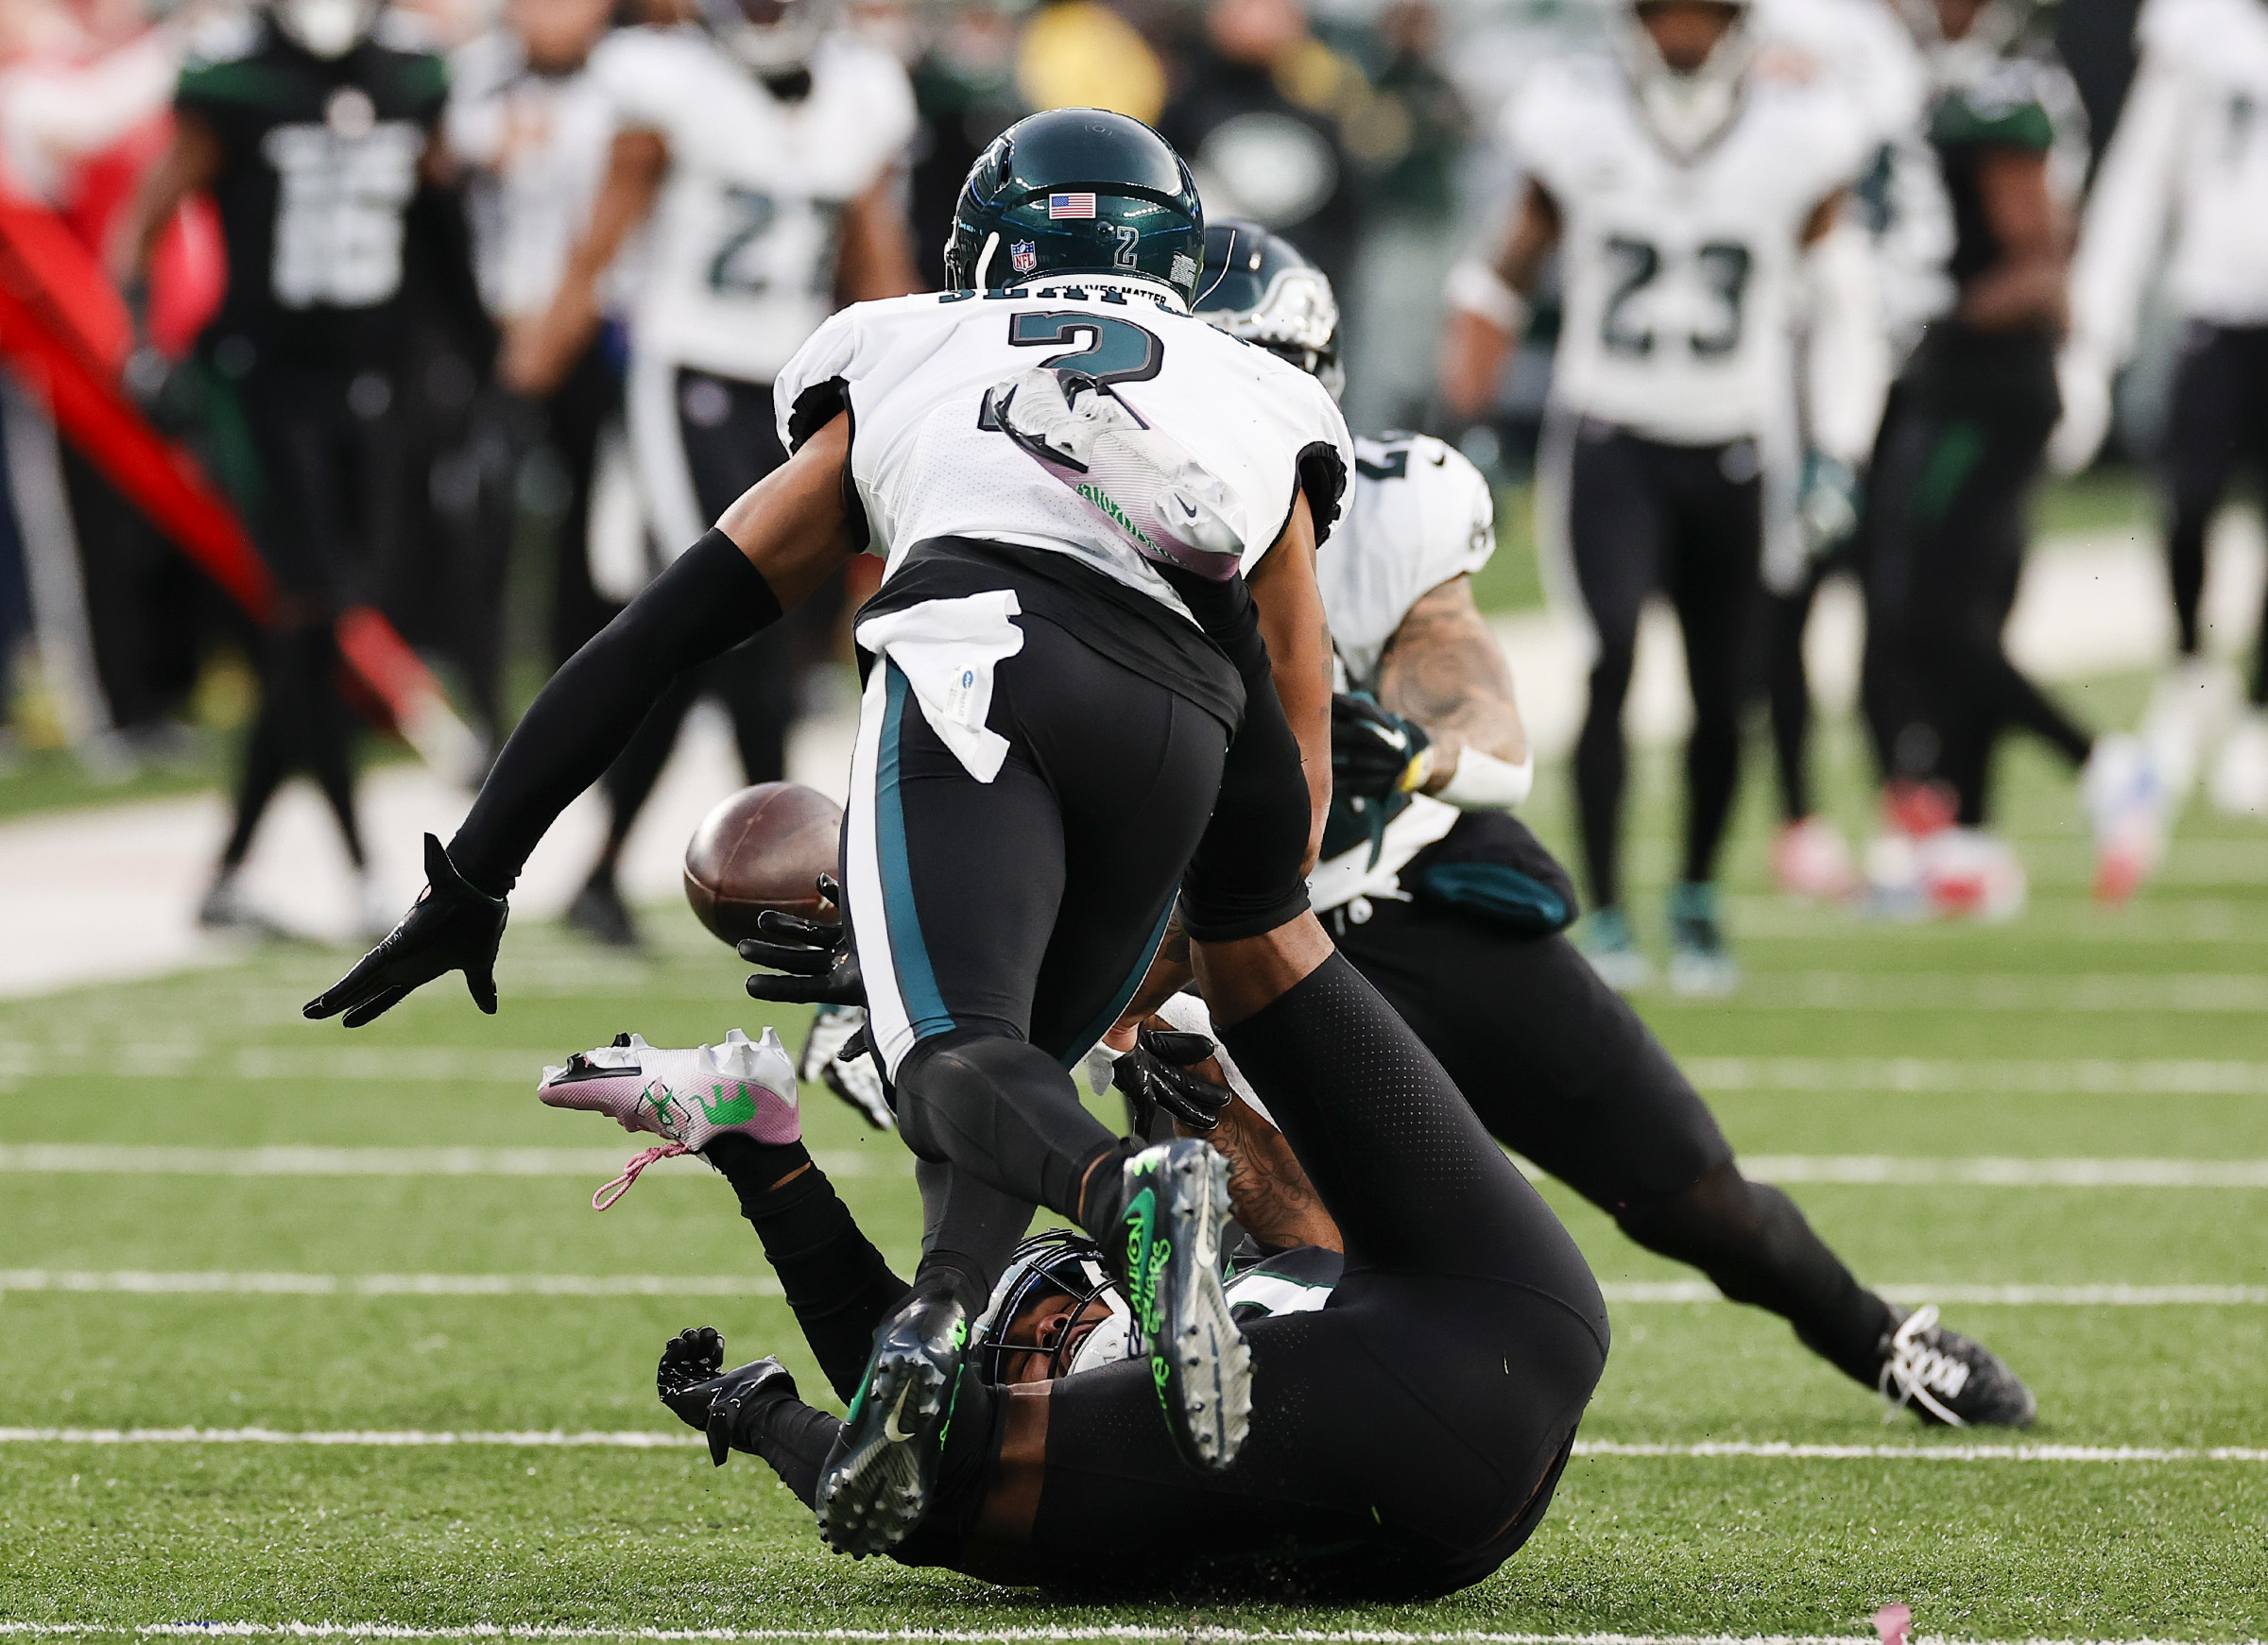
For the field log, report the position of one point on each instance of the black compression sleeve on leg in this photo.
(794, 1439)
(709, 600)
(968, 1225)
(1757, 1248)
(838, 1284)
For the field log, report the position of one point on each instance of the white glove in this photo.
(2083, 381)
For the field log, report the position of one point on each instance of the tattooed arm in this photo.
(1444, 670)
(1271, 1195)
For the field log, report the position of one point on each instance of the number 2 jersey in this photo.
(1680, 274)
(914, 373)
(744, 235)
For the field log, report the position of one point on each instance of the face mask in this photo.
(326, 29)
(1106, 1345)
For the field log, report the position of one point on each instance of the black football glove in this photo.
(452, 926)
(1159, 1073)
(1373, 753)
(821, 963)
(718, 1406)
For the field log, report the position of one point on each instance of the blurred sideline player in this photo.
(1452, 910)
(1683, 188)
(1811, 492)
(313, 137)
(2184, 187)
(1071, 676)
(1948, 516)
(761, 151)
(1425, 1334)
(533, 130)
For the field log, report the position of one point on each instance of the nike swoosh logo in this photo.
(890, 1430)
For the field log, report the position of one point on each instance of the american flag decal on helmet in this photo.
(1078, 205)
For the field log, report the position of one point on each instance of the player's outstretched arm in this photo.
(541, 351)
(1444, 670)
(773, 547)
(1292, 621)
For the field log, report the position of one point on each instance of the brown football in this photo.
(764, 848)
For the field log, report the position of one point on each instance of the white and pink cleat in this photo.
(688, 1098)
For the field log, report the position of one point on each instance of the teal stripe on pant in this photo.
(909, 958)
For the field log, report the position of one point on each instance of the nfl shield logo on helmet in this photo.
(1075, 205)
(1023, 256)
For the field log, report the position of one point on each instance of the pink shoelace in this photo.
(603, 1199)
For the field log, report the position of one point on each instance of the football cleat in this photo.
(1604, 939)
(2240, 781)
(1151, 492)
(688, 1098)
(855, 1078)
(1971, 874)
(599, 913)
(1811, 862)
(1945, 1378)
(883, 1464)
(2126, 802)
(1169, 1241)
(1701, 967)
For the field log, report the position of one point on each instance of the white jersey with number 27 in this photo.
(914, 372)
(743, 240)
(1679, 273)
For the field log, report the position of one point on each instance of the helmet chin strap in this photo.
(984, 261)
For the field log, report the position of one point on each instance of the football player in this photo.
(760, 150)
(1682, 189)
(1451, 908)
(313, 137)
(1071, 673)
(1411, 1433)
(1961, 449)
(2184, 185)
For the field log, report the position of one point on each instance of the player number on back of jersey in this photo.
(1719, 269)
(338, 212)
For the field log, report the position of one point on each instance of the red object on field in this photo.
(65, 330)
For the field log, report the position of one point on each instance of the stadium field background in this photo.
(214, 1216)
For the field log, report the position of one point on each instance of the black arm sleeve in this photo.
(709, 601)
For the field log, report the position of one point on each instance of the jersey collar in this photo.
(1164, 294)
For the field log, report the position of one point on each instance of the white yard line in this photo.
(2087, 1076)
(2175, 993)
(223, 1282)
(1195, 1632)
(646, 1439)
(73, 1158)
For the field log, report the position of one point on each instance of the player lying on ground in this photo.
(1408, 1428)
(1453, 910)
(1070, 681)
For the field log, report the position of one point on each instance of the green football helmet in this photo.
(1076, 191)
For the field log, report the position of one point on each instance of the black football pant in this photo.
(323, 497)
(1004, 925)
(1406, 1438)
(576, 415)
(2218, 420)
(1560, 1068)
(1687, 522)
(1947, 523)
(732, 440)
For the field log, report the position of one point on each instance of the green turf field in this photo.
(301, 1304)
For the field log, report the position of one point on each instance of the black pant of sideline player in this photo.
(2217, 423)
(1645, 518)
(1406, 1438)
(731, 441)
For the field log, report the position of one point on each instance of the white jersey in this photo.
(2188, 160)
(1420, 515)
(537, 146)
(913, 373)
(744, 235)
(1679, 274)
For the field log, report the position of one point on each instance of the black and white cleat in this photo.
(1169, 1242)
(1949, 1380)
(884, 1466)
